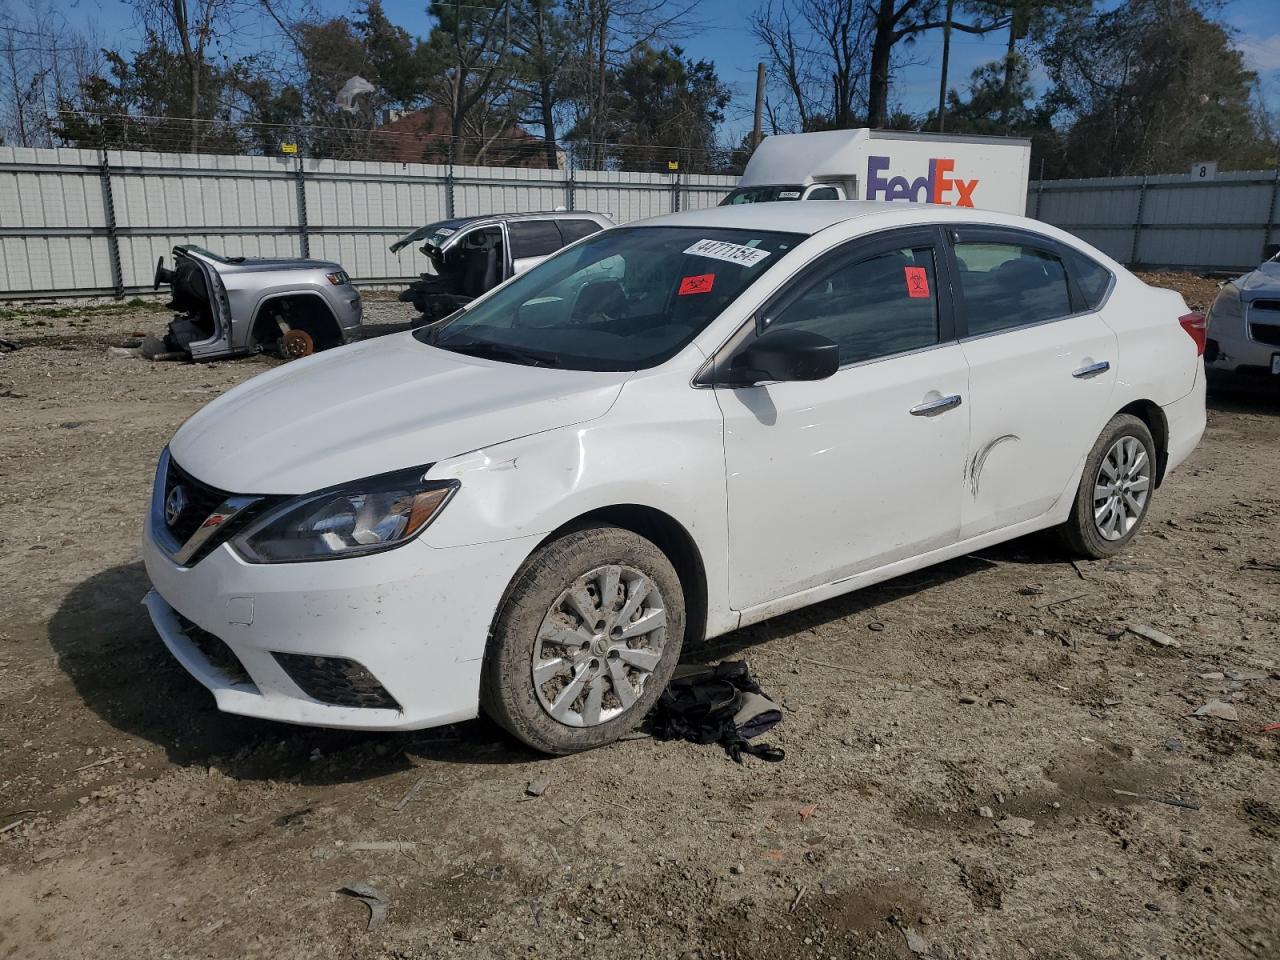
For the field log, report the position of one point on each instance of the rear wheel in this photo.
(1115, 489)
(585, 642)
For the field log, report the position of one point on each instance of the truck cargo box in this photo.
(963, 171)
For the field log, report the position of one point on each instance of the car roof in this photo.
(811, 216)
(526, 215)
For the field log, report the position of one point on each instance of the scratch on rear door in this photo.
(973, 470)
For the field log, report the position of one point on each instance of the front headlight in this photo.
(353, 519)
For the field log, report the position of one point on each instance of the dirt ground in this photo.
(137, 821)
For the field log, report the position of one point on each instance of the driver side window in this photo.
(871, 307)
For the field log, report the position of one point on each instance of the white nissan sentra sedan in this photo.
(665, 432)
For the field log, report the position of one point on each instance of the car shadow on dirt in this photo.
(1035, 550)
(1244, 397)
(106, 645)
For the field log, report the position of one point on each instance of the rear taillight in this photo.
(1194, 324)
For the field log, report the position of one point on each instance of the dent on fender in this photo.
(973, 469)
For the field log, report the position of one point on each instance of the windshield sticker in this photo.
(789, 195)
(917, 282)
(445, 232)
(738, 253)
(699, 284)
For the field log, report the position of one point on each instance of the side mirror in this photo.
(783, 355)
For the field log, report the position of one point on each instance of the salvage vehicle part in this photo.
(469, 256)
(236, 305)
(665, 432)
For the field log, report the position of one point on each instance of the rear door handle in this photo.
(931, 408)
(1092, 370)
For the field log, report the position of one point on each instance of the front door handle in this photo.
(1092, 370)
(931, 408)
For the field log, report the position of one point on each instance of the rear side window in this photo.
(872, 307)
(1092, 278)
(1007, 285)
(573, 230)
(533, 238)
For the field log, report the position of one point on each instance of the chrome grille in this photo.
(184, 518)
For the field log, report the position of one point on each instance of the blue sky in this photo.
(719, 33)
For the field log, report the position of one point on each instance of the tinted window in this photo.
(533, 238)
(573, 230)
(1092, 278)
(623, 299)
(1010, 285)
(763, 194)
(824, 193)
(872, 307)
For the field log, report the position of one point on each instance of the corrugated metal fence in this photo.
(1176, 221)
(87, 222)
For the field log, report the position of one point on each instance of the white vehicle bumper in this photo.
(414, 620)
(1186, 420)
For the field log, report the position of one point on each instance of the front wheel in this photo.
(585, 642)
(1115, 489)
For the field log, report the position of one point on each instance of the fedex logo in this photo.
(931, 189)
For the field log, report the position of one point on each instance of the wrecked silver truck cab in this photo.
(229, 306)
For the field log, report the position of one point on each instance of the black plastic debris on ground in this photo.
(717, 704)
(373, 898)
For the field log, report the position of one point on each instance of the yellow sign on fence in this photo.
(288, 148)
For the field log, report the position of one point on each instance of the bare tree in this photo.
(39, 60)
(610, 31)
(789, 63)
(190, 28)
(896, 21)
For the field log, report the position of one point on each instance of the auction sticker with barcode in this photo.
(743, 256)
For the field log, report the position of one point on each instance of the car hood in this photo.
(1265, 281)
(373, 407)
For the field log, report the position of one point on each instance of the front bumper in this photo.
(350, 311)
(415, 618)
(1232, 350)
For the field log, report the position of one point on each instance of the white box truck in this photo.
(962, 171)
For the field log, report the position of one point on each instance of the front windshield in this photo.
(770, 194)
(624, 299)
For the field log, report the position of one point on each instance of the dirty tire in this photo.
(1080, 533)
(507, 690)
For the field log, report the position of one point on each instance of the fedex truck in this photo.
(962, 171)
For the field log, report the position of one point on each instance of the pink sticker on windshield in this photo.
(702, 283)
